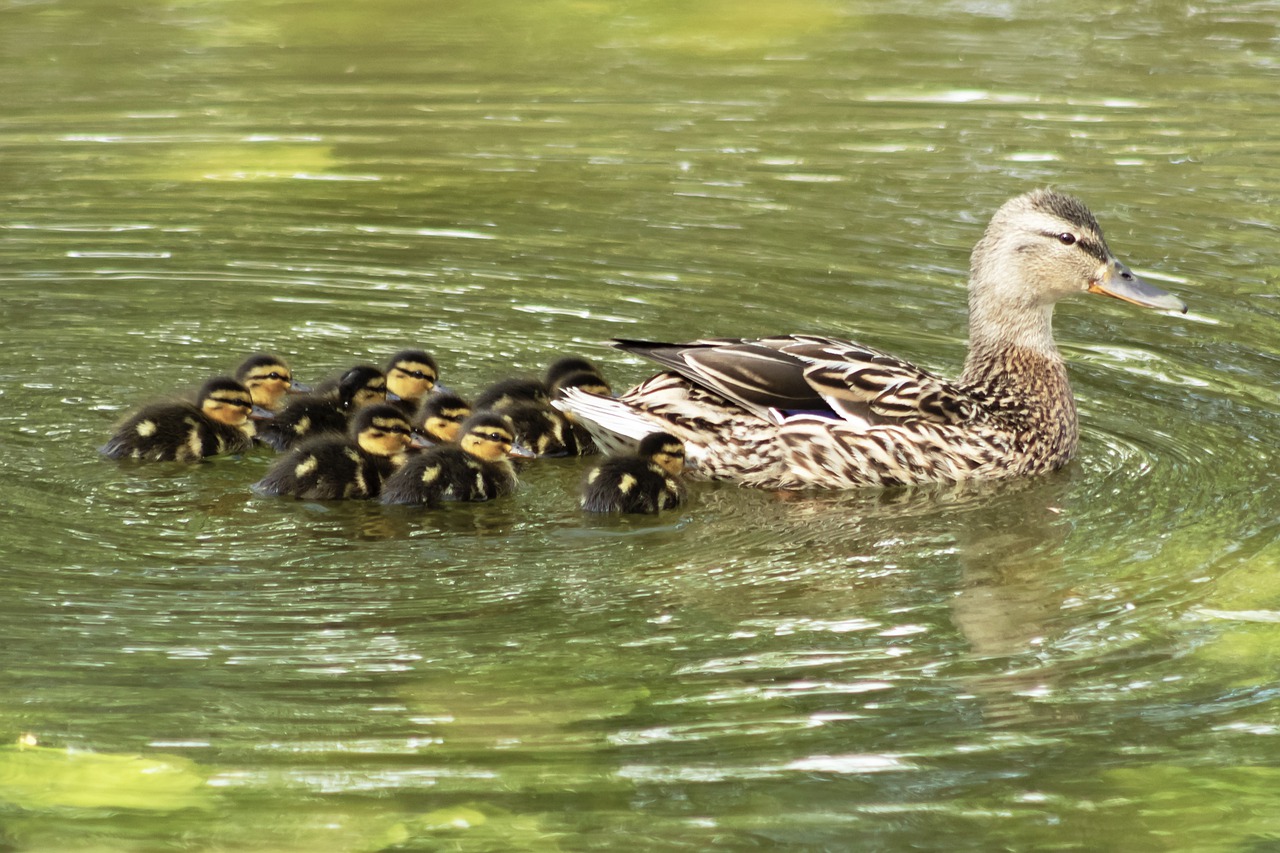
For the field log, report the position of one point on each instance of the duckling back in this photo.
(183, 432)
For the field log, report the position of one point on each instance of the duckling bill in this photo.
(181, 432)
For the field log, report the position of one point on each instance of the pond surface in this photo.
(1083, 661)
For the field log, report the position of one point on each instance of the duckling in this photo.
(476, 468)
(440, 417)
(411, 375)
(647, 482)
(573, 371)
(506, 393)
(542, 429)
(327, 410)
(268, 379)
(589, 381)
(333, 467)
(217, 423)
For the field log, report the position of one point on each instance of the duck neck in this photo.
(999, 334)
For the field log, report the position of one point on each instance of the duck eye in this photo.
(1066, 238)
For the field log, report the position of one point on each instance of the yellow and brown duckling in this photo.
(648, 481)
(326, 411)
(412, 374)
(268, 379)
(440, 417)
(505, 393)
(540, 428)
(217, 423)
(475, 468)
(335, 467)
(574, 371)
(543, 430)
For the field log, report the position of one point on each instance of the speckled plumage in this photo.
(802, 411)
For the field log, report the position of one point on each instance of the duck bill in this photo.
(519, 451)
(298, 388)
(1119, 282)
(258, 413)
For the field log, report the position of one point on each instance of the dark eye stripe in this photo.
(416, 374)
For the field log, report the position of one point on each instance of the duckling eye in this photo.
(1066, 238)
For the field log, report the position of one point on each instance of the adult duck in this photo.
(801, 411)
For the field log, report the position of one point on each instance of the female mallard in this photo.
(647, 481)
(335, 467)
(476, 468)
(182, 432)
(802, 411)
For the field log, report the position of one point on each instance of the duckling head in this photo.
(489, 436)
(268, 379)
(225, 400)
(412, 374)
(592, 383)
(382, 430)
(1039, 248)
(664, 450)
(361, 386)
(441, 416)
(568, 366)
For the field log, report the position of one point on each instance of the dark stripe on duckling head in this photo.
(262, 366)
(226, 390)
(661, 442)
(362, 378)
(381, 416)
(410, 360)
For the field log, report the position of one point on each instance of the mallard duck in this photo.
(411, 376)
(647, 481)
(268, 379)
(801, 411)
(334, 467)
(177, 431)
(476, 468)
(328, 410)
(439, 418)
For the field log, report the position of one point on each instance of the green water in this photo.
(1085, 661)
